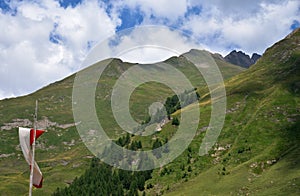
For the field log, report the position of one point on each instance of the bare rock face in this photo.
(16, 123)
(44, 123)
(242, 59)
(255, 57)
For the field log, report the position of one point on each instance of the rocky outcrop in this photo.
(241, 59)
(41, 124)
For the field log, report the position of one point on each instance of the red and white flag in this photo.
(26, 139)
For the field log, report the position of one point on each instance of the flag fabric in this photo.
(26, 139)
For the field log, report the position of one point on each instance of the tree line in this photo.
(102, 179)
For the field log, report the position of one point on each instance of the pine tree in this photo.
(175, 121)
(141, 182)
(156, 148)
(133, 188)
(166, 148)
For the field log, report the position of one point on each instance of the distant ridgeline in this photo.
(241, 59)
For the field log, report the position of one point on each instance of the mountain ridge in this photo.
(60, 152)
(256, 153)
(264, 113)
(241, 59)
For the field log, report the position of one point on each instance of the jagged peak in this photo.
(241, 58)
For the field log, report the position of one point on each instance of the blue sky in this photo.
(46, 40)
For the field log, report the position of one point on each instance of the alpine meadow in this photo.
(256, 153)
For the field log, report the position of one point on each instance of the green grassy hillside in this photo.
(257, 152)
(60, 152)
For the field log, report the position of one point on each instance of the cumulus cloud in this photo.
(233, 8)
(151, 44)
(44, 42)
(143, 44)
(222, 26)
(159, 9)
(222, 31)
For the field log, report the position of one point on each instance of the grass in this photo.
(255, 131)
(60, 162)
(259, 130)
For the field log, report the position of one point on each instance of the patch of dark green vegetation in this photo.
(101, 179)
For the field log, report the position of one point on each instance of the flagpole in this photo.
(33, 149)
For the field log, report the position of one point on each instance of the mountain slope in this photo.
(257, 152)
(60, 152)
(260, 142)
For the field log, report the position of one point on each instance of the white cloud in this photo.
(223, 25)
(29, 60)
(252, 33)
(4, 95)
(151, 44)
(272, 24)
(233, 8)
(164, 8)
(144, 44)
(160, 9)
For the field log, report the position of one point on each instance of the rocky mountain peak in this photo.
(242, 59)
